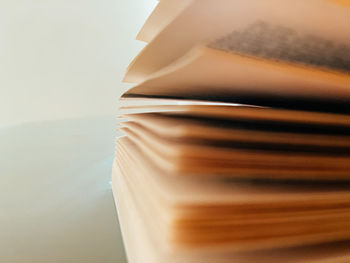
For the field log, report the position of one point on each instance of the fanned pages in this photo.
(273, 29)
(211, 73)
(235, 141)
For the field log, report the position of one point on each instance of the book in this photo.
(236, 135)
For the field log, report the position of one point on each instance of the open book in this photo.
(236, 135)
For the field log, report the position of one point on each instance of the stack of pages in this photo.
(236, 135)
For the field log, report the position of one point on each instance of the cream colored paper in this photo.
(204, 21)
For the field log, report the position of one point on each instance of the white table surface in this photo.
(55, 194)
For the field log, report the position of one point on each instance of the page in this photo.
(277, 29)
(199, 129)
(238, 163)
(209, 73)
(198, 210)
(162, 15)
(230, 111)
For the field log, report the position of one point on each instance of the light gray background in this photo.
(61, 63)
